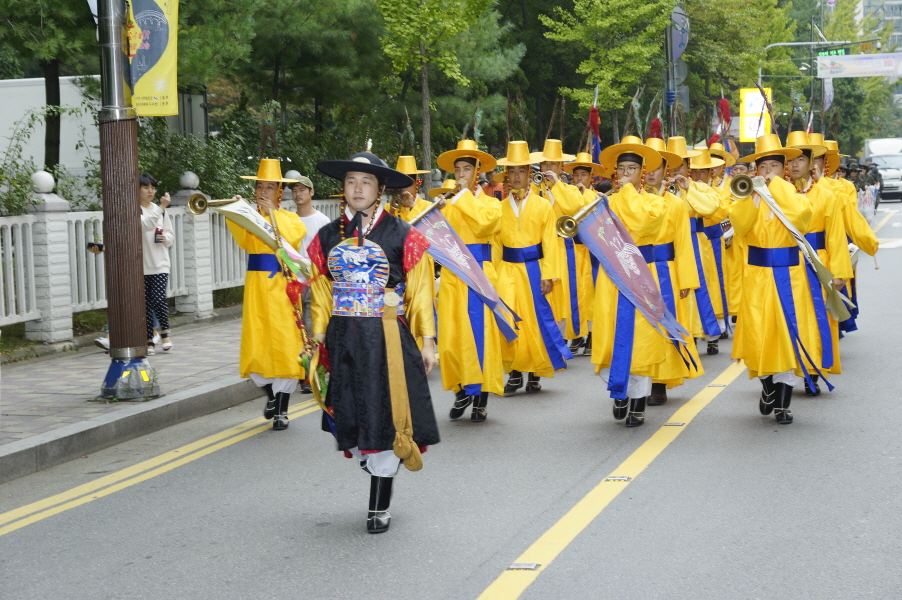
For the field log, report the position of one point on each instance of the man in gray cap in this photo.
(302, 194)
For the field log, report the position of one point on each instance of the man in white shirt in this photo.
(302, 194)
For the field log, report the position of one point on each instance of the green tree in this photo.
(215, 38)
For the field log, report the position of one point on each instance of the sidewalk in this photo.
(50, 409)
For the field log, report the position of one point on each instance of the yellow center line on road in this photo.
(114, 482)
(512, 583)
(885, 219)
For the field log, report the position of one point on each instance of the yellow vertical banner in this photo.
(153, 27)
(754, 120)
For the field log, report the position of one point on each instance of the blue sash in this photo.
(818, 241)
(714, 232)
(779, 260)
(571, 273)
(264, 262)
(622, 357)
(476, 312)
(705, 309)
(660, 255)
(555, 344)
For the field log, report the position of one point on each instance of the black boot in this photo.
(461, 402)
(479, 413)
(577, 344)
(270, 410)
(768, 396)
(621, 407)
(781, 406)
(658, 394)
(378, 518)
(533, 385)
(713, 348)
(514, 383)
(281, 420)
(587, 349)
(636, 416)
(816, 391)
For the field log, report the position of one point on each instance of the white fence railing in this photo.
(229, 261)
(17, 290)
(86, 269)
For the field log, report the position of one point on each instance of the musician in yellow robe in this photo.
(733, 250)
(776, 288)
(674, 265)
(826, 234)
(530, 261)
(471, 362)
(411, 202)
(584, 170)
(643, 214)
(270, 339)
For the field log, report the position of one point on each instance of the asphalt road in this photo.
(734, 507)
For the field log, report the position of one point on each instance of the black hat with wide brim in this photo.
(365, 162)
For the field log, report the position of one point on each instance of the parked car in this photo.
(890, 166)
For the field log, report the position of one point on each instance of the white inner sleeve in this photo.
(639, 386)
(380, 464)
(789, 378)
(279, 385)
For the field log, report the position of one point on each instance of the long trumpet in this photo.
(198, 203)
(568, 226)
(538, 178)
(741, 187)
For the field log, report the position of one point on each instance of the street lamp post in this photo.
(769, 46)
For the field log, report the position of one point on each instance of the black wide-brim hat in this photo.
(365, 162)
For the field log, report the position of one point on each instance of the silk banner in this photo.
(152, 28)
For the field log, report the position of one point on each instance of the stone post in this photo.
(53, 285)
(198, 249)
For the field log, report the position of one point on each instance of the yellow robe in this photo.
(857, 227)
(476, 219)
(270, 339)
(762, 338)
(827, 216)
(566, 200)
(683, 276)
(530, 224)
(701, 200)
(584, 273)
(712, 277)
(643, 215)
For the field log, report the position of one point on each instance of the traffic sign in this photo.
(844, 51)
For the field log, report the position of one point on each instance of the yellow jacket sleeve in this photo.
(743, 216)
(840, 264)
(320, 300)
(239, 233)
(567, 197)
(686, 269)
(856, 225)
(702, 198)
(483, 217)
(418, 297)
(643, 214)
(723, 208)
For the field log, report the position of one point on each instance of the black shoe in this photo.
(768, 396)
(636, 416)
(713, 347)
(514, 383)
(378, 518)
(812, 392)
(270, 410)
(587, 349)
(281, 421)
(305, 388)
(479, 413)
(533, 385)
(658, 394)
(781, 405)
(577, 344)
(461, 402)
(621, 407)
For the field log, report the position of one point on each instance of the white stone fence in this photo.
(47, 273)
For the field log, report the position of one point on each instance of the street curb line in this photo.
(45, 450)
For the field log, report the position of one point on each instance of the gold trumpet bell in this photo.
(538, 178)
(198, 204)
(741, 187)
(567, 227)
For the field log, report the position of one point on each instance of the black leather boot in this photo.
(713, 348)
(378, 518)
(781, 405)
(621, 407)
(658, 394)
(461, 402)
(480, 402)
(514, 383)
(816, 390)
(587, 349)
(768, 396)
(532, 384)
(281, 420)
(636, 416)
(577, 344)
(270, 410)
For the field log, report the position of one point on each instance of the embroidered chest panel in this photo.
(359, 274)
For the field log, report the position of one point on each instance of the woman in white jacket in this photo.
(157, 237)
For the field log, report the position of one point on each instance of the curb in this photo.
(45, 450)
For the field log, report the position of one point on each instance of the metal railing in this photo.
(87, 277)
(17, 287)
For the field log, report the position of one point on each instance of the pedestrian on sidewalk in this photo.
(157, 236)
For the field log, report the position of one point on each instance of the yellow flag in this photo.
(152, 30)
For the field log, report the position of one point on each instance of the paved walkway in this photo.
(45, 394)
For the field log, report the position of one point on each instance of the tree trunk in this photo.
(539, 121)
(317, 115)
(616, 126)
(51, 71)
(427, 118)
(275, 77)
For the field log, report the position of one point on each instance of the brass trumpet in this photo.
(198, 204)
(741, 187)
(538, 178)
(568, 226)
(395, 205)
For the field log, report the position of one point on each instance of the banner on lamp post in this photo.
(153, 56)
(860, 65)
(754, 120)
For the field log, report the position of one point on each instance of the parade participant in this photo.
(471, 356)
(584, 170)
(270, 340)
(411, 203)
(372, 295)
(719, 177)
(530, 262)
(741, 168)
(618, 325)
(827, 236)
(767, 330)
(565, 199)
(673, 261)
(712, 246)
(701, 201)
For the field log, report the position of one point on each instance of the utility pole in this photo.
(129, 375)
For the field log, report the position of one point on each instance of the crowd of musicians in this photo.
(724, 262)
